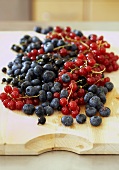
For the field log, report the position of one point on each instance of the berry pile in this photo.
(62, 72)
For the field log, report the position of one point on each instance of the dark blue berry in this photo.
(65, 78)
(48, 76)
(95, 120)
(67, 120)
(49, 96)
(92, 88)
(42, 96)
(38, 70)
(102, 98)
(54, 103)
(32, 91)
(91, 111)
(44, 104)
(88, 96)
(39, 110)
(41, 120)
(45, 87)
(104, 111)
(48, 110)
(109, 86)
(28, 109)
(81, 118)
(48, 47)
(94, 101)
(35, 82)
(64, 93)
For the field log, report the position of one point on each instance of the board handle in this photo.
(59, 141)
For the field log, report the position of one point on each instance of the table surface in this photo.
(60, 159)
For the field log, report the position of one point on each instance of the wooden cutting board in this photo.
(20, 134)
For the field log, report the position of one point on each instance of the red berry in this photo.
(15, 94)
(35, 101)
(12, 105)
(6, 101)
(3, 96)
(63, 52)
(8, 89)
(29, 101)
(15, 89)
(74, 113)
(19, 105)
(63, 101)
(41, 51)
(81, 92)
(72, 105)
(56, 95)
(68, 29)
(58, 29)
(78, 62)
(65, 110)
(73, 86)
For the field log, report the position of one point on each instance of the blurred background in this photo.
(59, 10)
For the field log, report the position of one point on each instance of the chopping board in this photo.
(20, 134)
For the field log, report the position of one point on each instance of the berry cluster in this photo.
(63, 72)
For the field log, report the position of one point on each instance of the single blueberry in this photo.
(42, 96)
(88, 96)
(45, 87)
(64, 93)
(28, 109)
(48, 110)
(67, 120)
(49, 96)
(109, 86)
(95, 120)
(91, 111)
(104, 111)
(55, 103)
(39, 110)
(93, 88)
(48, 47)
(65, 78)
(81, 118)
(48, 76)
(94, 101)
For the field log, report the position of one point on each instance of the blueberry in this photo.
(73, 47)
(35, 39)
(100, 90)
(59, 62)
(91, 111)
(31, 91)
(64, 93)
(78, 33)
(48, 67)
(42, 96)
(48, 76)
(50, 84)
(67, 120)
(38, 70)
(46, 40)
(95, 120)
(104, 111)
(54, 103)
(48, 47)
(39, 110)
(28, 109)
(81, 118)
(45, 57)
(57, 84)
(60, 42)
(37, 29)
(38, 87)
(41, 120)
(92, 88)
(109, 86)
(25, 68)
(17, 72)
(94, 101)
(34, 64)
(49, 96)
(54, 41)
(10, 64)
(45, 87)
(102, 98)
(88, 96)
(35, 82)
(55, 89)
(48, 110)
(45, 104)
(65, 78)
(99, 106)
